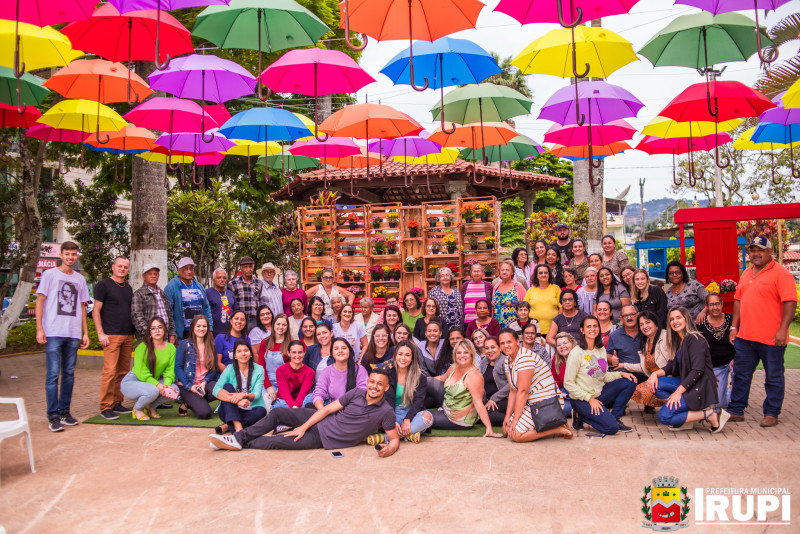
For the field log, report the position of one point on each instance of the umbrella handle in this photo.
(20, 106)
(347, 40)
(580, 118)
(795, 171)
(414, 86)
(260, 94)
(322, 139)
(592, 181)
(675, 179)
(83, 161)
(578, 16)
(62, 169)
(123, 169)
(475, 175)
(713, 112)
(772, 166)
(575, 59)
(694, 174)
(758, 42)
(503, 190)
(99, 139)
(194, 175)
(165, 64)
(356, 193)
(724, 165)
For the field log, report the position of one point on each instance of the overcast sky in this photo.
(655, 87)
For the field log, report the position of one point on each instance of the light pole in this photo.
(641, 201)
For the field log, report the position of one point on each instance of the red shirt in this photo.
(761, 299)
(294, 384)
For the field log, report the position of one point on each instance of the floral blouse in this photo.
(692, 297)
(451, 306)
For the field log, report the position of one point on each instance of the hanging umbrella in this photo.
(601, 134)
(170, 115)
(667, 128)
(530, 11)
(209, 159)
(517, 149)
(125, 6)
(583, 152)
(745, 142)
(791, 98)
(130, 36)
(725, 6)
(49, 134)
(681, 145)
(169, 159)
(361, 160)
(446, 62)
(31, 89)
(475, 135)
(428, 20)
(83, 115)
(260, 26)
(246, 148)
(97, 79)
(483, 102)
(334, 147)
(194, 142)
(784, 131)
(443, 157)
(406, 147)
(286, 162)
(129, 140)
(315, 72)
(608, 103)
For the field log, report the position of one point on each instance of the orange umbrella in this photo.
(427, 20)
(129, 138)
(583, 150)
(474, 135)
(99, 80)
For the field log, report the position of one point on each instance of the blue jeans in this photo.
(61, 354)
(748, 354)
(567, 403)
(229, 412)
(670, 416)
(418, 423)
(280, 403)
(615, 397)
(723, 393)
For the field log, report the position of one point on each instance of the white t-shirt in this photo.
(353, 335)
(65, 294)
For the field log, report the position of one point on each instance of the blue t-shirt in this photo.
(222, 304)
(192, 299)
(224, 344)
(627, 347)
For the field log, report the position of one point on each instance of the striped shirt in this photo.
(473, 294)
(586, 300)
(543, 385)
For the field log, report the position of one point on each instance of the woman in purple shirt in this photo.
(339, 378)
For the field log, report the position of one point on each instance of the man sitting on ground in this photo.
(356, 415)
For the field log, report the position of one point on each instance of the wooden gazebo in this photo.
(415, 184)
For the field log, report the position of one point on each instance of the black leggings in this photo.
(253, 437)
(496, 416)
(199, 405)
(441, 421)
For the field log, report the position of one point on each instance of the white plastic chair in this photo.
(17, 426)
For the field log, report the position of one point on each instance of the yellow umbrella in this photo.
(308, 123)
(668, 129)
(84, 116)
(38, 47)
(791, 99)
(447, 155)
(599, 49)
(743, 142)
(173, 159)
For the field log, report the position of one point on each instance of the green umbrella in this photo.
(249, 25)
(31, 89)
(286, 161)
(700, 40)
(517, 149)
(481, 103)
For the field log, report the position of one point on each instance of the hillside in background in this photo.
(653, 210)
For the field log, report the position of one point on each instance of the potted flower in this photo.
(319, 220)
(391, 246)
(410, 263)
(435, 246)
(487, 270)
(489, 241)
(378, 292)
(727, 286)
(319, 246)
(352, 220)
(318, 274)
(469, 263)
(417, 291)
(396, 271)
(351, 250)
(473, 241)
(358, 275)
(346, 274)
(450, 242)
(468, 214)
(432, 221)
(484, 211)
(376, 273)
(433, 269)
(447, 219)
(392, 220)
(358, 291)
(387, 272)
(413, 228)
(376, 221)
(379, 245)
(453, 267)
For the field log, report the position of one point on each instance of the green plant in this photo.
(23, 337)
(473, 240)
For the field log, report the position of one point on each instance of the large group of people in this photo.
(559, 333)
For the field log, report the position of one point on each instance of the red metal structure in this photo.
(716, 253)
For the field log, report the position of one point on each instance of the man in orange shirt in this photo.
(763, 308)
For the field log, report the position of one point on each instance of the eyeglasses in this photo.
(628, 315)
(715, 305)
(674, 273)
(568, 299)
(327, 278)
(156, 328)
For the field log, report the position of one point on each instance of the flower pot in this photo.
(484, 218)
(433, 223)
(346, 278)
(357, 278)
(379, 252)
(351, 252)
(353, 225)
(473, 247)
(318, 227)
(451, 250)
(375, 277)
(376, 225)
(447, 224)
(419, 267)
(469, 219)
(412, 232)
(435, 250)
(392, 251)
(392, 225)
(396, 278)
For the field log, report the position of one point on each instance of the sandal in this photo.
(568, 434)
(375, 439)
(414, 438)
(183, 411)
(153, 413)
(145, 417)
(721, 420)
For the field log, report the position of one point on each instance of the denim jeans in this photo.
(418, 423)
(280, 403)
(615, 397)
(144, 394)
(670, 416)
(229, 412)
(567, 404)
(723, 393)
(61, 354)
(748, 354)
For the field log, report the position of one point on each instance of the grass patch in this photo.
(794, 329)
(791, 358)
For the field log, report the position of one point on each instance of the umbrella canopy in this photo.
(601, 49)
(55, 135)
(519, 148)
(582, 152)
(129, 36)
(483, 102)
(314, 72)
(39, 47)
(447, 155)
(243, 147)
(47, 12)
(32, 90)
(702, 39)
(370, 121)
(170, 115)
(475, 135)
(209, 159)
(768, 132)
(357, 161)
(791, 99)
(668, 128)
(444, 62)
(601, 134)
(681, 145)
(605, 102)
(745, 142)
(194, 142)
(530, 11)
(334, 147)
(124, 6)
(287, 161)
(409, 146)
(781, 115)
(99, 80)
(726, 6)
(730, 99)
(11, 118)
(264, 124)
(204, 77)
(275, 25)
(83, 115)
(170, 159)
(127, 140)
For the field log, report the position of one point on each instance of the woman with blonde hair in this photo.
(565, 342)
(647, 296)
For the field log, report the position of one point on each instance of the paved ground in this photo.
(98, 478)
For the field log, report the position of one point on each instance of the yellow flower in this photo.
(587, 358)
(713, 287)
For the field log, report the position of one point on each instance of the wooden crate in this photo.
(383, 211)
(309, 264)
(391, 286)
(341, 217)
(441, 210)
(464, 203)
(308, 214)
(408, 214)
(308, 247)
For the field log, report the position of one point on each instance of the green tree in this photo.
(268, 233)
(510, 77)
(780, 76)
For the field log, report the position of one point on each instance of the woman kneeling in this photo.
(239, 390)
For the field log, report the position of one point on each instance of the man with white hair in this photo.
(271, 294)
(222, 301)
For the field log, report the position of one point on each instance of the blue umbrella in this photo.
(773, 132)
(263, 125)
(445, 62)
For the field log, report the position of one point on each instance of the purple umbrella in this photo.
(780, 116)
(333, 147)
(194, 142)
(170, 115)
(412, 146)
(605, 103)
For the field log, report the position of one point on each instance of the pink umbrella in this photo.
(529, 11)
(218, 112)
(57, 135)
(299, 71)
(195, 142)
(170, 115)
(601, 134)
(333, 148)
(209, 159)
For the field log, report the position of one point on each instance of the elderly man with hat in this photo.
(563, 242)
(271, 294)
(763, 309)
(150, 301)
(187, 298)
(246, 289)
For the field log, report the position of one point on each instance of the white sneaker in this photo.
(227, 442)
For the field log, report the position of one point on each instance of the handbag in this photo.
(547, 414)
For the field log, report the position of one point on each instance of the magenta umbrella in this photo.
(170, 115)
(209, 159)
(530, 11)
(413, 146)
(57, 135)
(300, 71)
(332, 147)
(600, 134)
(195, 142)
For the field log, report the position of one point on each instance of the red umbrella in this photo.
(10, 118)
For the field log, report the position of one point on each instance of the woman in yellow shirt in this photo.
(543, 297)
